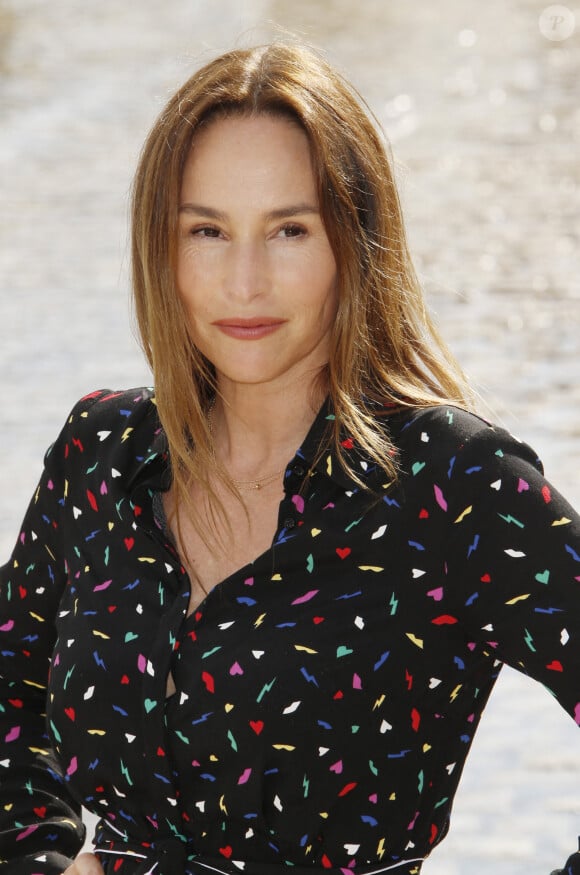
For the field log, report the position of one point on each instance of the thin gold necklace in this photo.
(244, 485)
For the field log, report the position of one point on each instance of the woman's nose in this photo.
(247, 273)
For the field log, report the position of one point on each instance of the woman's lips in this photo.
(249, 329)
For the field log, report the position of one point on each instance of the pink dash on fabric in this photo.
(26, 832)
(305, 598)
(245, 776)
(439, 497)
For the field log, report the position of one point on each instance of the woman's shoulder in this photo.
(449, 435)
(113, 408)
(107, 418)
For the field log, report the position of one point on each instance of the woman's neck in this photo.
(256, 432)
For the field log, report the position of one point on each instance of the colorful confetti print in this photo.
(327, 694)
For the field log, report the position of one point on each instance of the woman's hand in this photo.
(85, 864)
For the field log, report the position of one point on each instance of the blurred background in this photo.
(481, 105)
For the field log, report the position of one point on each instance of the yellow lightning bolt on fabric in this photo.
(259, 621)
(283, 747)
(126, 434)
(304, 648)
(36, 617)
(379, 701)
(563, 521)
(329, 466)
(371, 568)
(101, 635)
(455, 693)
(381, 849)
(464, 513)
(223, 805)
(149, 559)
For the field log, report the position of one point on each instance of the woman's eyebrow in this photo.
(279, 213)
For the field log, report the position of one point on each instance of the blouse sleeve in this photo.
(40, 824)
(513, 565)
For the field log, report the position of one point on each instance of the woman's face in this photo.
(255, 268)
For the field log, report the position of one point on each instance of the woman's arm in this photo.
(514, 566)
(40, 824)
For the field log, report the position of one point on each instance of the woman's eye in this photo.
(205, 231)
(292, 231)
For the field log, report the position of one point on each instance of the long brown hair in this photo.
(384, 347)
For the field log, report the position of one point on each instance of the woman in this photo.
(274, 595)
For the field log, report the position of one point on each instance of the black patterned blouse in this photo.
(327, 694)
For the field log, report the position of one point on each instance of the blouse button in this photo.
(299, 470)
(289, 522)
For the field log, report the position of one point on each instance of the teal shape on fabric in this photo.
(508, 518)
(543, 576)
(417, 467)
(130, 636)
(150, 704)
(342, 650)
(310, 563)
(181, 736)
